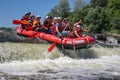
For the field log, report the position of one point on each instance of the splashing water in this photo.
(31, 61)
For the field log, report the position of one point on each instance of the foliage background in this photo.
(99, 16)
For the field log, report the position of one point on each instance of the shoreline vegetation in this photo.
(99, 16)
(6, 28)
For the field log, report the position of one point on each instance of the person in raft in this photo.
(47, 24)
(65, 24)
(78, 29)
(32, 18)
(25, 20)
(37, 24)
(53, 25)
(59, 30)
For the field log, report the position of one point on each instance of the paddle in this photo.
(17, 22)
(52, 46)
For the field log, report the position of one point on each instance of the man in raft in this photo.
(47, 24)
(37, 24)
(78, 30)
(59, 29)
(25, 20)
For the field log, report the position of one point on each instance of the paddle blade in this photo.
(52, 46)
(24, 22)
(17, 22)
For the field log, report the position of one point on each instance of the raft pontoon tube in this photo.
(66, 43)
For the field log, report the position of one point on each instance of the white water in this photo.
(34, 60)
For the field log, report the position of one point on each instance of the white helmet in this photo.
(78, 26)
(38, 16)
(47, 17)
(55, 18)
(27, 13)
(60, 18)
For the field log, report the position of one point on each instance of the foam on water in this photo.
(66, 67)
(104, 63)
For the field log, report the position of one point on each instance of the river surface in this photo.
(31, 61)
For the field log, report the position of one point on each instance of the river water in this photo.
(31, 61)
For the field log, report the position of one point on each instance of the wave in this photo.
(33, 51)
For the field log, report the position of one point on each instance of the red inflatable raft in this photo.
(67, 43)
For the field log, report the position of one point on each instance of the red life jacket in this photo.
(53, 27)
(24, 22)
(47, 24)
(29, 28)
(78, 30)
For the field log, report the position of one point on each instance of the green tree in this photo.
(53, 12)
(79, 14)
(79, 4)
(113, 9)
(6, 28)
(101, 3)
(99, 16)
(96, 20)
(62, 9)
